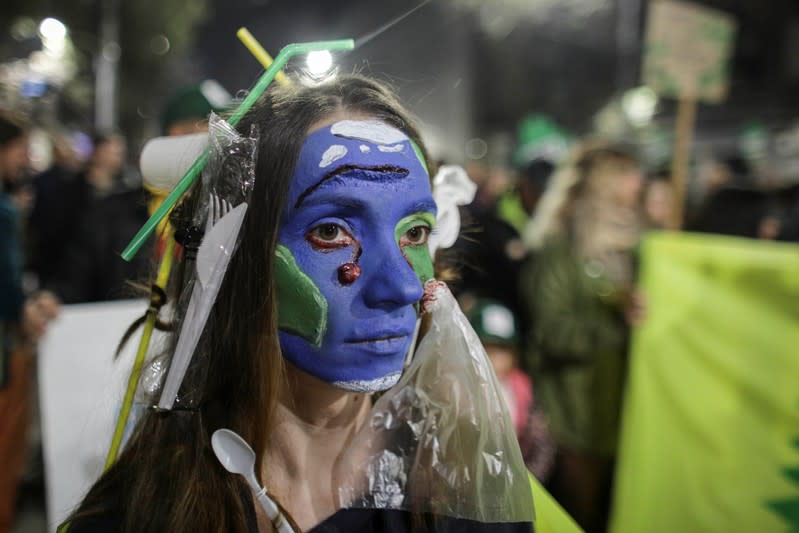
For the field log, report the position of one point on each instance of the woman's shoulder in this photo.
(398, 521)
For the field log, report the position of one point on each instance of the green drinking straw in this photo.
(288, 51)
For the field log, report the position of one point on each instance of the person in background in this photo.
(187, 110)
(490, 250)
(789, 228)
(55, 210)
(14, 161)
(518, 205)
(15, 164)
(497, 328)
(659, 201)
(23, 321)
(491, 183)
(111, 206)
(737, 212)
(580, 298)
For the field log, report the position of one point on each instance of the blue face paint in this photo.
(359, 196)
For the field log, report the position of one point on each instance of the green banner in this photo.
(549, 515)
(710, 432)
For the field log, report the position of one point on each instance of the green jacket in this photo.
(576, 347)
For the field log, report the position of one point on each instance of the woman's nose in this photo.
(392, 283)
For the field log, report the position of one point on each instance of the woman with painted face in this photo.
(318, 311)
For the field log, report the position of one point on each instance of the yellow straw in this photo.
(149, 324)
(260, 54)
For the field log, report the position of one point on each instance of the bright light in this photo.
(319, 62)
(52, 29)
(54, 37)
(639, 105)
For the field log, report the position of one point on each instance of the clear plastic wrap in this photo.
(441, 441)
(230, 172)
(220, 207)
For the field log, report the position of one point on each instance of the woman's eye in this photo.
(329, 235)
(416, 235)
(327, 232)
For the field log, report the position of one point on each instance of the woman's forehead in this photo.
(338, 116)
(368, 148)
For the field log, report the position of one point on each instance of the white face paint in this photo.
(374, 131)
(370, 385)
(395, 148)
(332, 154)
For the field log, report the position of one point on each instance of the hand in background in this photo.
(635, 308)
(23, 199)
(37, 312)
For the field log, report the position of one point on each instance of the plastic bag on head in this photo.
(441, 440)
(222, 197)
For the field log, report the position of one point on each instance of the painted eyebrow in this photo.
(390, 170)
(347, 203)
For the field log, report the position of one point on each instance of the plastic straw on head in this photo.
(257, 90)
(260, 54)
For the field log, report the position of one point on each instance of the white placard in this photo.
(688, 50)
(80, 392)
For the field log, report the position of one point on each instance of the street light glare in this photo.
(52, 29)
(639, 105)
(319, 62)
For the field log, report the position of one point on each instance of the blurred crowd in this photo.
(61, 233)
(546, 264)
(548, 261)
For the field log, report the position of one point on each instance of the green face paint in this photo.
(418, 255)
(419, 155)
(301, 307)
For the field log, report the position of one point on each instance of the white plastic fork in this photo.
(212, 240)
(217, 208)
(221, 230)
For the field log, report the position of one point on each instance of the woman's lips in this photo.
(381, 343)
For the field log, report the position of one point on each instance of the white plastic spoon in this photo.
(238, 458)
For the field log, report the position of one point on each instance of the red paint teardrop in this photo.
(348, 273)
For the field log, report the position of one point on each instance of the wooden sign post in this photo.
(687, 56)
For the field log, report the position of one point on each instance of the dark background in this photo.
(466, 67)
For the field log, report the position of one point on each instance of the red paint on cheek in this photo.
(326, 246)
(429, 294)
(348, 273)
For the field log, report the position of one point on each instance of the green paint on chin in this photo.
(301, 307)
(418, 255)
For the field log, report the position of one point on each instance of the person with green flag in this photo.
(581, 301)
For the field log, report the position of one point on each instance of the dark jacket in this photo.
(11, 295)
(92, 269)
(60, 199)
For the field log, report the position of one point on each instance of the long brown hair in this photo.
(587, 176)
(167, 478)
